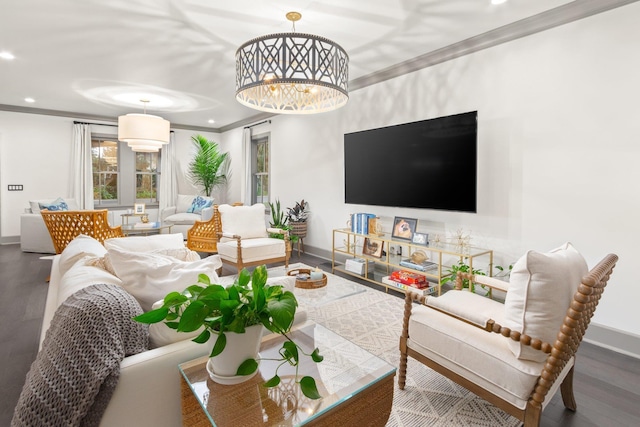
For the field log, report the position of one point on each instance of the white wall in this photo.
(558, 149)
(36, 152)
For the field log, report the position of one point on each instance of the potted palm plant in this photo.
(236, 315)
(209, 167)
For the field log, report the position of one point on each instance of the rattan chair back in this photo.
(203, 236)
(64, 226)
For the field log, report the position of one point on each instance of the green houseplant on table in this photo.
(224, 312)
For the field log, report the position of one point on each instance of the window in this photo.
(122, 177)
(260, 169)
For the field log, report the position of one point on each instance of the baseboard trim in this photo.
(613, 339)
(600, 335)
(9, 240)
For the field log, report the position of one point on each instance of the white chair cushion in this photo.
(183, 218)
(146, 243)
(183, 202)
(252, 249)
(245, 221)
(81, 247)
(541, 288)
(482, 357)
(150, 276)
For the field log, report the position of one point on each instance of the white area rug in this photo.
(373, 320)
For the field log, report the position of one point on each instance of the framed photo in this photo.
(372, 247)
(403, 228)
(420, 239)
(138, 208)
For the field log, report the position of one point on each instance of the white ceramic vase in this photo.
(240, 347)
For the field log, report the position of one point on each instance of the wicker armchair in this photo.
(460, 337)
(203, 236)
(64, 226)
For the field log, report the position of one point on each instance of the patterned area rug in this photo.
(373, 320)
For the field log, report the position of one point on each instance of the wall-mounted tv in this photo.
(430, 164)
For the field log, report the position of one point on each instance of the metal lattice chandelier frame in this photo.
(292, 73)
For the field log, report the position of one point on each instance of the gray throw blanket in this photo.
(75, 373)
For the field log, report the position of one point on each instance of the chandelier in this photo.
(292, 73)
(144, 133)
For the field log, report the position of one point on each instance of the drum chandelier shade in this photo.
(292, 73)
(143, 132)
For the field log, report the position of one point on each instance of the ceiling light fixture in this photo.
(29, 100)
(143, 132)
(292, 73)
(7, 55)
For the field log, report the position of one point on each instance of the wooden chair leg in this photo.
(566, 389)
(402, 375)
(532, 416)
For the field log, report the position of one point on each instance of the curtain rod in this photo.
(98, 124)
(256, 124)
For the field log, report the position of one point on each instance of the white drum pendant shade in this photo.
(143, 132)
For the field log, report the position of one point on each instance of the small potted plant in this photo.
(463, 267)
(248, 304)
(297, 217)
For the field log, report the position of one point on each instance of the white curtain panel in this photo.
(168, 180)
(245, 190)
(82, 169)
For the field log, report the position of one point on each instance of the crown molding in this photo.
(556, 17)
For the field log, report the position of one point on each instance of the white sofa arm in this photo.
(148, 391)
(167, 212)
(34, 236)
(207, 214)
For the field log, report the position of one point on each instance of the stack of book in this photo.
(424, 290)
(360, 222)
(424, 266)
(146, 225)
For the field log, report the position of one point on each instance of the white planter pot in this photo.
(240, 347)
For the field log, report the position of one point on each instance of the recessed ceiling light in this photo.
(498, 1)
(6, 55)
(29, 100)
(211, 121)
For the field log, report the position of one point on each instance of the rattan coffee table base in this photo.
(370, 407)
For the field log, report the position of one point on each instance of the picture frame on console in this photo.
(420, 239)
(403, 228)
(372, 247)
(138, 208)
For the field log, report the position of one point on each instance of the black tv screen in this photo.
(430, 164)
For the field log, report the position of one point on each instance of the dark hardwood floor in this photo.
(606, 384)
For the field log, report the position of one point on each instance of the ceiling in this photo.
(97, 58)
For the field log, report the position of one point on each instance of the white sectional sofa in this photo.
(148, 391)
(34, 236)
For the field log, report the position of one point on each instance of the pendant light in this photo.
(143, 132)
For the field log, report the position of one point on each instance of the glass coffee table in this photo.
(357, 387)
(144, 229)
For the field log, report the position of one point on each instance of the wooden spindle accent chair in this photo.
(64, 226)
(244, 239)
(520, 387)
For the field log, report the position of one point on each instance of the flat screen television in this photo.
(430, 164)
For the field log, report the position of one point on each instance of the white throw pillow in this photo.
(150, 276)
(81, 247)
(80, 276)
(183, 202)
(541, 288)
(35, 204)
(245, 221)
(146, 243)
(181, 254)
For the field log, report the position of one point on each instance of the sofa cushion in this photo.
(181, 254)
(146, 243)
(199, 203)
(183, 202)
(252, 249)
(245, 221)
(81, 247)
(183, 218)
(150, 276)
(541, 288)
(35, 204)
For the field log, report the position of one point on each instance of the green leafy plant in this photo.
(503, 273)
(298, 213)
(279, 220)
(209, 167)
(247, 302)
(462, 267)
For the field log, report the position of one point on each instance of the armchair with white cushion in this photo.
(515, 355)
(244, 240)
(186, 212)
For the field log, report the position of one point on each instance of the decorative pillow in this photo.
(183, 202)
(245, 221)
(81, 276)
(34, 205)
(150, 276)
(58, 205)
(541, 288)
(200, 203)
(82, 246)
(146, 243)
